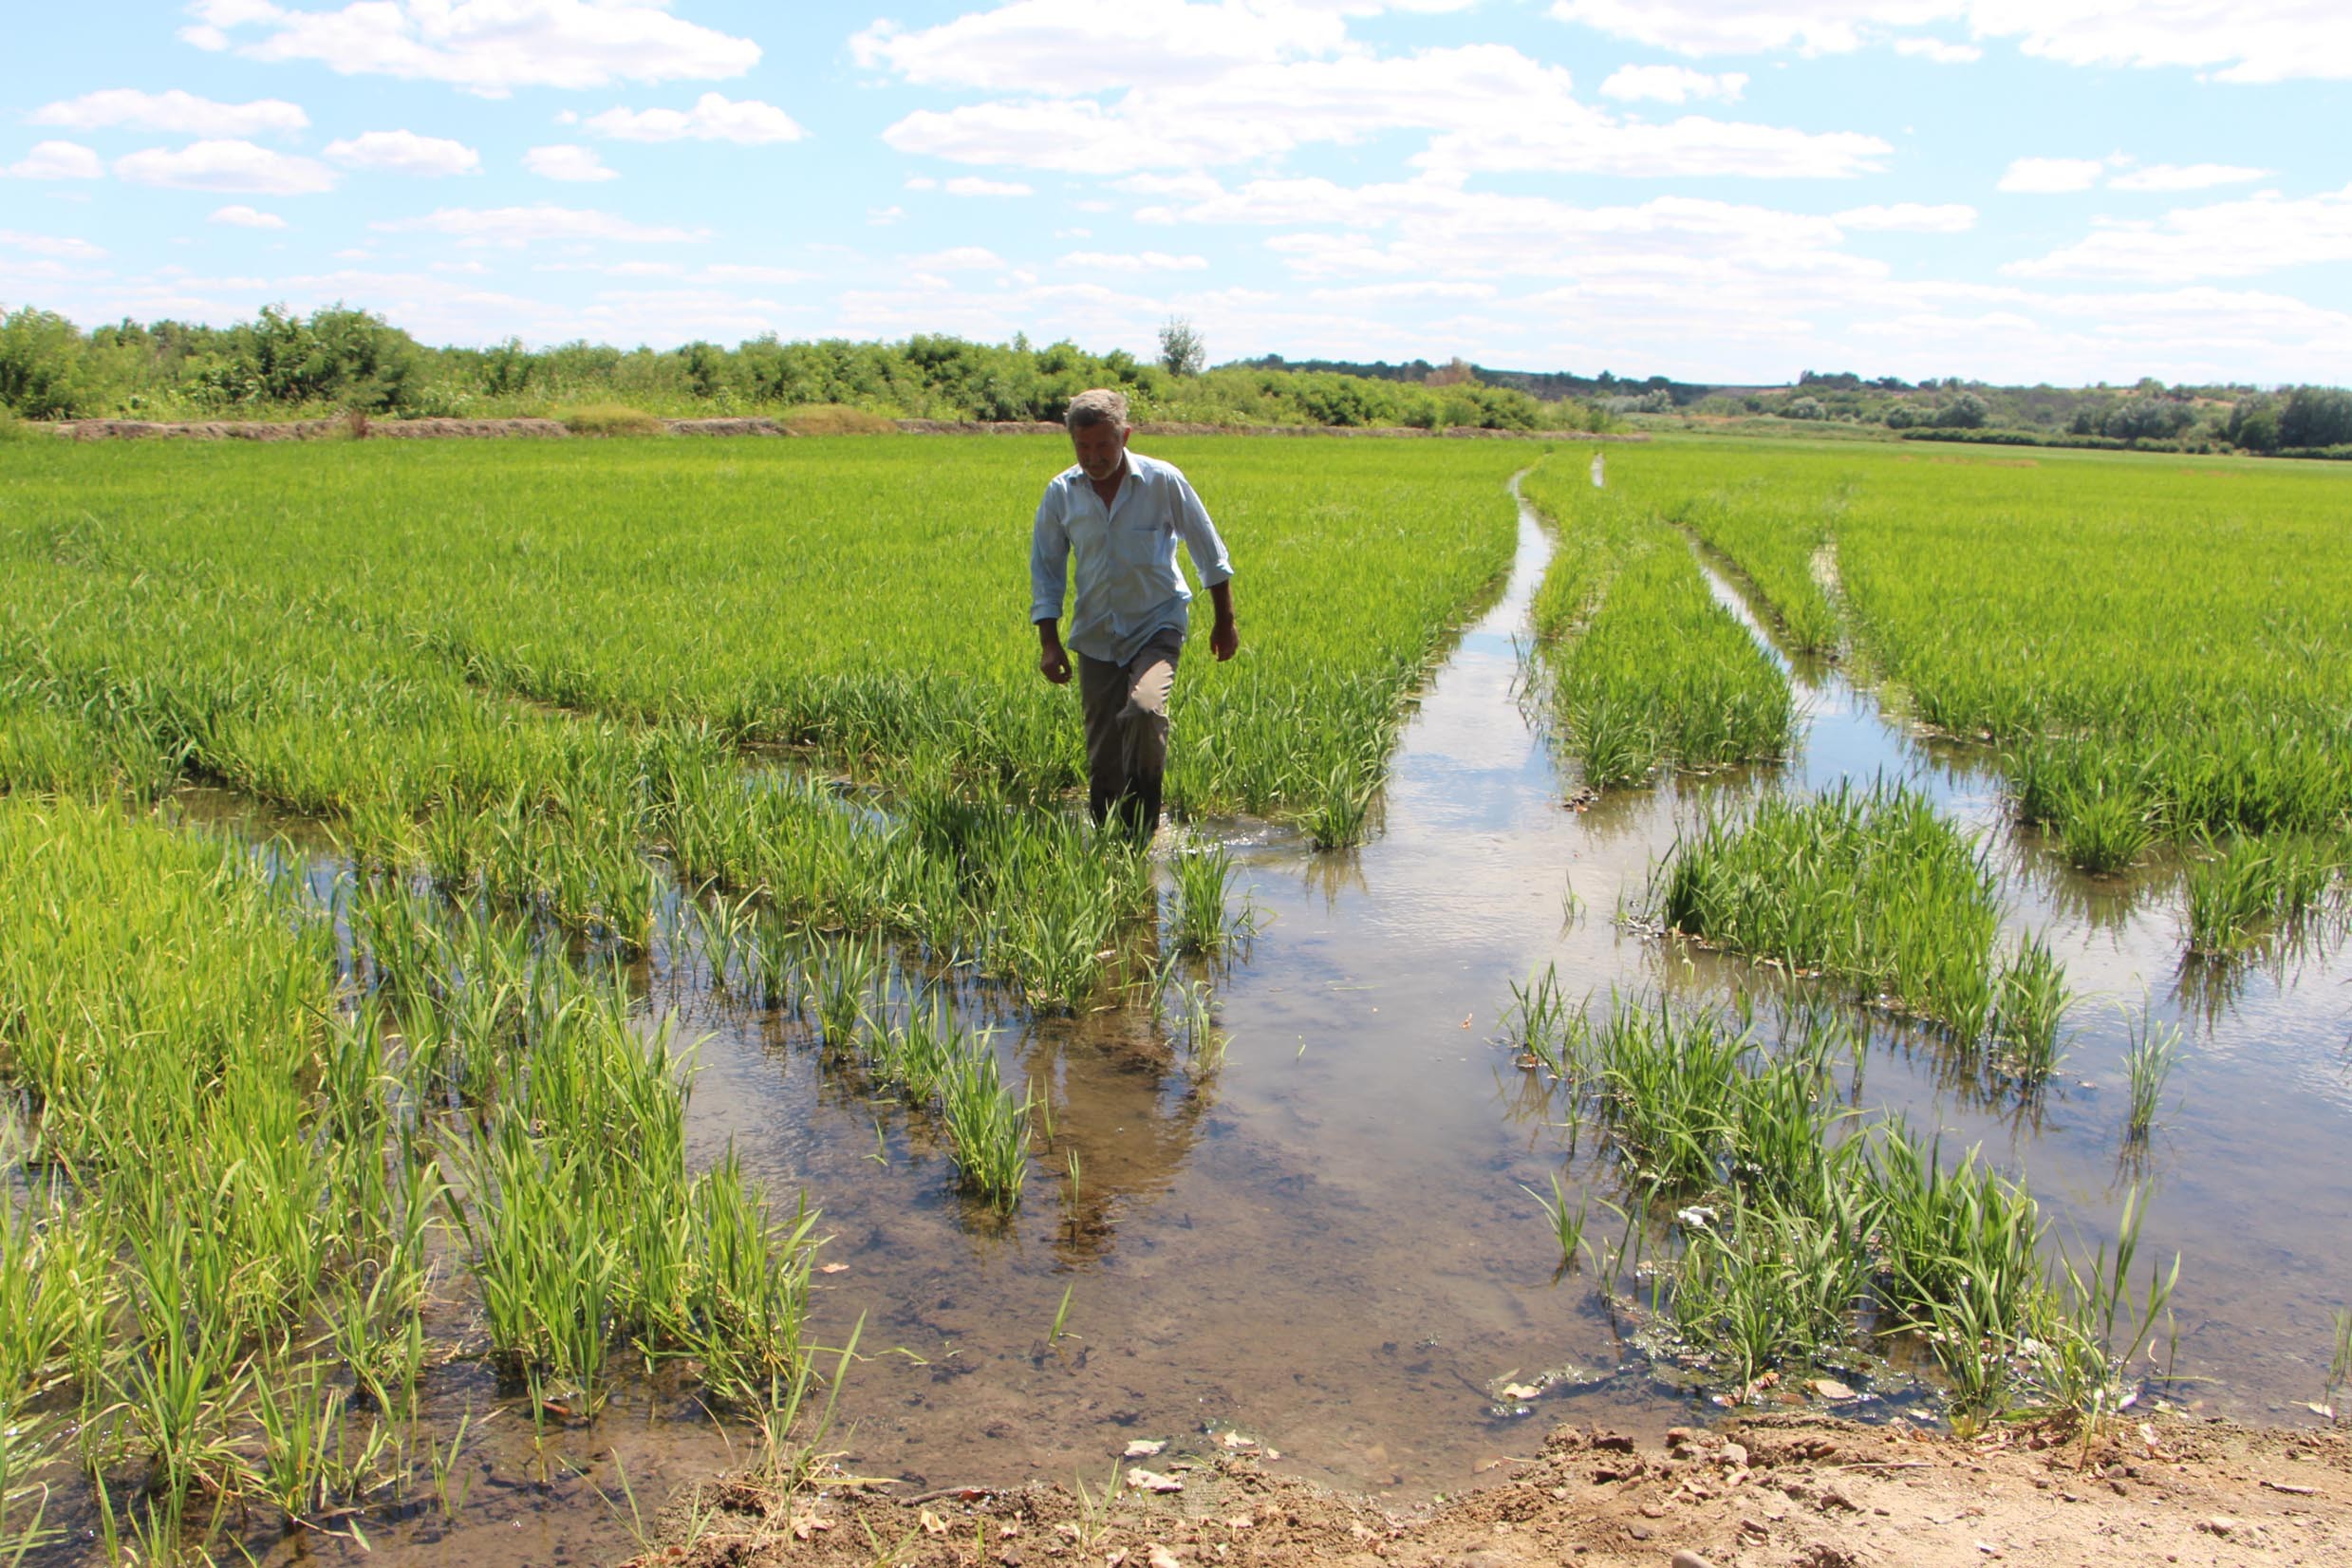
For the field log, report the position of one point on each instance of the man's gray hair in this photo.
(1099, 406)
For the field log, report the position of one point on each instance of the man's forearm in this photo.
(1049, 634)
(1220, 595)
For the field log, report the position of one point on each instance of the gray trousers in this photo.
(1125, 707)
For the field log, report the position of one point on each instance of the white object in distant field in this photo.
(1599, 479)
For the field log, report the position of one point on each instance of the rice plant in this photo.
(1870, 887)
(258, 1343)
(2154, 1050)
(2243, 888)
(987, 1129)
(2338, 1365)
(1539, 1029)
(2030, 1001)
(1801, 1235)
(1567, 1224)
(1205, 922)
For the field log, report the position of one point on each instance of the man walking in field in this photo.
(1118, 514)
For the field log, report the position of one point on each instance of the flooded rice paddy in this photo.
(1324, 1244)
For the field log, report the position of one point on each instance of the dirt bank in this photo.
(313, 430)
(1807, 1490)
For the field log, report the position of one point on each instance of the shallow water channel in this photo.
(1324, 1244)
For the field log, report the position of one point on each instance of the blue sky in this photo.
(1720, 190)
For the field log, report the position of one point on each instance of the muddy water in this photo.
(1324, 1244)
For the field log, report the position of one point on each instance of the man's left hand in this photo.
(1225, 640)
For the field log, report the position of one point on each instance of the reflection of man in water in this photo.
(1119, 513)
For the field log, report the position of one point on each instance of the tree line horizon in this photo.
(340, 359)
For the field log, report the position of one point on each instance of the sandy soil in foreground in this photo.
(1808, 1491)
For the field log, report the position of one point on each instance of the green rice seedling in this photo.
(2154, 1049)
(1537, 1025)
(748, 1302)
(1204, 877)
(1567, 1225)
(987, 1129)
(1337, 814)
(1204, 1043)
(2104, 832)
(2244, 887)
(301, 1414)
(846, 981)
(24, 1495)
(1870, 887)
(2030, 1001)
(728, 935)
(917, 1053)
(2105, 1321)
(450, 1488)
(1061, 1317)
(2338, 1365)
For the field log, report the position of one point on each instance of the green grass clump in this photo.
(1648, 670)
(1868, 885)
(2153, 1051)
(611, 419)
(1799, 1235)
(2242, 889)
(237, 1179)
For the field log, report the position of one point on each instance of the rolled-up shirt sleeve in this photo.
(1200, 535)
(1049, 560)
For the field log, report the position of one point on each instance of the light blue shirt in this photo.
(1129, 587)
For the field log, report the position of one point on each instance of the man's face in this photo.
(1100, 448)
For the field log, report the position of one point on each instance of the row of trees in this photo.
(342, 358)
(2296, 420)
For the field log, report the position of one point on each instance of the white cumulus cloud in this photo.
(241, 217)
(488, 46)
(56, 160)
(1939, 50)
(2237, 40)
(961, 258)
(517, 226)
(1671, 84)
(1910, 218)
(2227, 239)
(735, 273)
(712, 119)
(229, 165)
(57, 245)
(2185, 177)
(1485, 106)
(2051, 176)
(971, 185)
(404, 153)
(182, 113)
(1141, 261)
(1061, 47)
(569, 162)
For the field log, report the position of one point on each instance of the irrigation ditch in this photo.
(1318, 1249)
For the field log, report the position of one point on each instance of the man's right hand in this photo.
(1054, 665)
